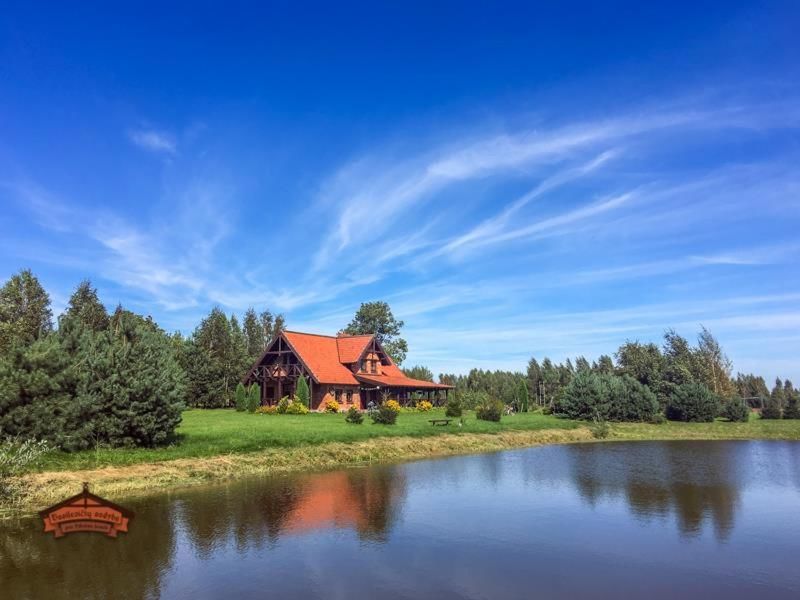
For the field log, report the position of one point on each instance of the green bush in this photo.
(303, 394)
(607, 397)
(490, 410)
(241, 397)
(454, 408)
(385, 414)
(296, 407)
(736, 410)
(792, 410)
(283, 405)
(253, 398)
(692, 402)
(772, 408)
(354, 416)
(470, 399)
(585, 398)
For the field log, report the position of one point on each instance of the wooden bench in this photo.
(435, 422)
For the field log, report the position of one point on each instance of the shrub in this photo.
(283, 405)
(303, 394)
(267, 410)
(354, 416)
(253, 398)
(392, 405)
(736, 410)
(490, 410)
(424, 406)
(470, 399)
(296, 408)
(241, 397)
(792, 410)
(772, 408)
(630, 400)
(584, 398)
(332, 406)
(658, 419)
(692, 402)
(385, 414)
(454, 408)
(16, 457)
(600, 429)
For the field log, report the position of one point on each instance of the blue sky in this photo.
(515, 181)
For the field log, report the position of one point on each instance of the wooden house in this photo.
(354, 370)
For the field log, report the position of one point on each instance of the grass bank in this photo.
(219, 444)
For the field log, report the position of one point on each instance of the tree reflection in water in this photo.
(659, 479)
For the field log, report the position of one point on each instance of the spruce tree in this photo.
(302, 393)
(792, 410)
(773, 407)
(241, 397)
(254, 334)
(25, 314)
(253, 398)
(85, 306)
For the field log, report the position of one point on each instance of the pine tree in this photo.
(773, 407)
(522, 395)
(25, 314)
(792, 410)
(241, 397)
(215, 361)
(302, 393)
(254, 334)
(85, 306)
(253, 398)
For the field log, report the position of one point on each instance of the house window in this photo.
(373, 366)
(349, 396)
(364, 366)
(337, 395)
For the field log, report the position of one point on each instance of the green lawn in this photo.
(205, 433)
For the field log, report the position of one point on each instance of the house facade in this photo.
(354, 370)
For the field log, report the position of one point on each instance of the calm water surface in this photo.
(615, 520)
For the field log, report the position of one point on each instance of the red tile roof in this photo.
(351, 347)
(324, 356)
(320, 353)
(402, 381)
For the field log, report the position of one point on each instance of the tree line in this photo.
(665, 373)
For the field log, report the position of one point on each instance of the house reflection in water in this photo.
(365, 500)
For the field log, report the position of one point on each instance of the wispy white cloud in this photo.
(153, 140)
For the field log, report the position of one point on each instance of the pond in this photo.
(634, 520)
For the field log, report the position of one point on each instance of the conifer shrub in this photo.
(386, 413)
(267, 410)
(736, 410)
(454, 408)
(590, 396)
(354, 416)
(489, 410)
(792, 410)
(772, 408)
(692, 402)
(303, 393)
(241, 397)
(253, 398)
